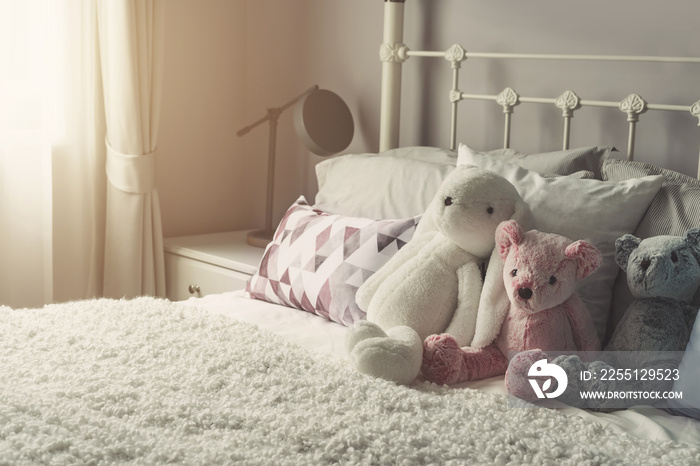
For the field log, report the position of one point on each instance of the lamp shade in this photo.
(324, 125)
(323, 122)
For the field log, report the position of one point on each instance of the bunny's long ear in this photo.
(494, 302)
(523, 215)
(369, 288)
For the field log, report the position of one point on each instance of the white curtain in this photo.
(131, 48)
(30, 121)
(78, 154)
(56, 240)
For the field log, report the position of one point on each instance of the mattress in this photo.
(326, 339)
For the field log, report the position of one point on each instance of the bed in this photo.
(261, 375)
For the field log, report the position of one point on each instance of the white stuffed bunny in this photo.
(434, 283)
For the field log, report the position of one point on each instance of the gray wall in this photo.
(245, 56)
(541, 26)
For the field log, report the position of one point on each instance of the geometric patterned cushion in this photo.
(317, 261)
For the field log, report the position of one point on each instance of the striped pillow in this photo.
(674, 210)
(317, 261)
(565, 162)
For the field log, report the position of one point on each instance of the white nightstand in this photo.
(204, 264)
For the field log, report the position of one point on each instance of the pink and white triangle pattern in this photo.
(317, 261)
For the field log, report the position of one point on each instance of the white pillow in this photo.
(398, 183)
(594, 210)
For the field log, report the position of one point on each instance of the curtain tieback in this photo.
(134, 174)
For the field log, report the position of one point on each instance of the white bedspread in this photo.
(152, 382)
(318, 334)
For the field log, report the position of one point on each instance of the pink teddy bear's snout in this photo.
(525, 293)
(521, 284)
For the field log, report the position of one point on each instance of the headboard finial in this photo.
(633, 106)
(568, 102)
(695, 111)
(456, 55)
(508, 99)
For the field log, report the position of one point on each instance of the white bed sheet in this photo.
(328, 338)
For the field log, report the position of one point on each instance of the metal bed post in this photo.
(568, 102)
(695, 111)
(455, 55)
(392, 53)
(507, 99)
(633, 106)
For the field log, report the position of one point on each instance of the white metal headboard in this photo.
(393, 53)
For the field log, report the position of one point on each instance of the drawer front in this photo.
(186, 277)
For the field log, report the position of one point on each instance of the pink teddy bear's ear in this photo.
(508, 234)
(588, 257)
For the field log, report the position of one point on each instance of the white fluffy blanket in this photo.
(151, 382)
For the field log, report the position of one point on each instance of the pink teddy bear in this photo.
(540, 274)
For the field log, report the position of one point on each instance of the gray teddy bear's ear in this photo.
(692, 238)
(624, 246)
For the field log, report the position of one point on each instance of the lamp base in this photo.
(259, 238)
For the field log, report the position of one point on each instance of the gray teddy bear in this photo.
(663, 274)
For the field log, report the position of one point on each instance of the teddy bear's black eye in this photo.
(552, 280)
(674, 256)
(514, 272)
(489, 210)
(448, 200)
